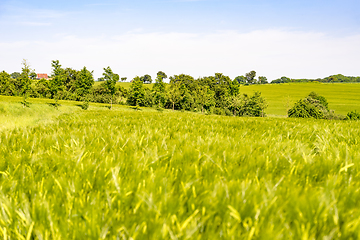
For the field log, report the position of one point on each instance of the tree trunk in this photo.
(173, 105)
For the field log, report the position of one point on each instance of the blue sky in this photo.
(275, 38)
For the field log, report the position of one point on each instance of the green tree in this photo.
(173, 94)
(250, 77)
(159, 89)
(253, 106)
(235, 103)
(70, 80)
(33, 75)
(57, 80)
(136, 94)
(110, 81)
(146, 78)
(123, 79)
(313, 106)
(84, 82)
(262, 80)
(15, 75)
(161, 75)
(186, 85)
(42, 88)
(322, 100)
(333, 79)
(281, 80)
(24, 81)
(240, 79)
(7, 86)
(223, 87)
(353, 115)
(205, 97)
(234, 88)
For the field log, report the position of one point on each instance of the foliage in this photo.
(57, 79)
(353, 115)
(33, 75)
(84, 82)
(7, 84)
(322, 100)
(159, 91)
(24, 81)
(146, 79)
(305, 109)
(240, 79)
(313, 106)
(262, 80)
(110, 79)
(282, 80)
(136, 94)
(250, 77)
(15, 75)
(174, 94)
(253, 106)
(85, 105)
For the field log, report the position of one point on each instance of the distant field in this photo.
(342, 98)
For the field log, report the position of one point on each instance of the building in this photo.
(42, 75)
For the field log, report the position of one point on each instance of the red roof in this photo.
(42, 75)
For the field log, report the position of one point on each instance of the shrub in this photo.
(313, 106)
(353, 115)
(253, 106)
(322, 100)
(85, 105)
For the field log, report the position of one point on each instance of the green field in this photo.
(342, 98)
(67, 173)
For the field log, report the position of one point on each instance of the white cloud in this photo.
(271, 53)
(35, 23)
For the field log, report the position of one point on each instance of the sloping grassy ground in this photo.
(14, 115)
(101, 174)
(342, 97)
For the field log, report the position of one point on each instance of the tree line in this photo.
(216, 94)
(339, 78)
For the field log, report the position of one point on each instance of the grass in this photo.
(342, 98)
(41, 111)
(126, 174)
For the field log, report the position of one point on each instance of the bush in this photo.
(305, 109)
(85, 105)
(253, 106)
(331, 115)
(313, 106)
(322, 100)
(353, 115)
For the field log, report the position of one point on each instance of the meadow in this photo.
(127, 174)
